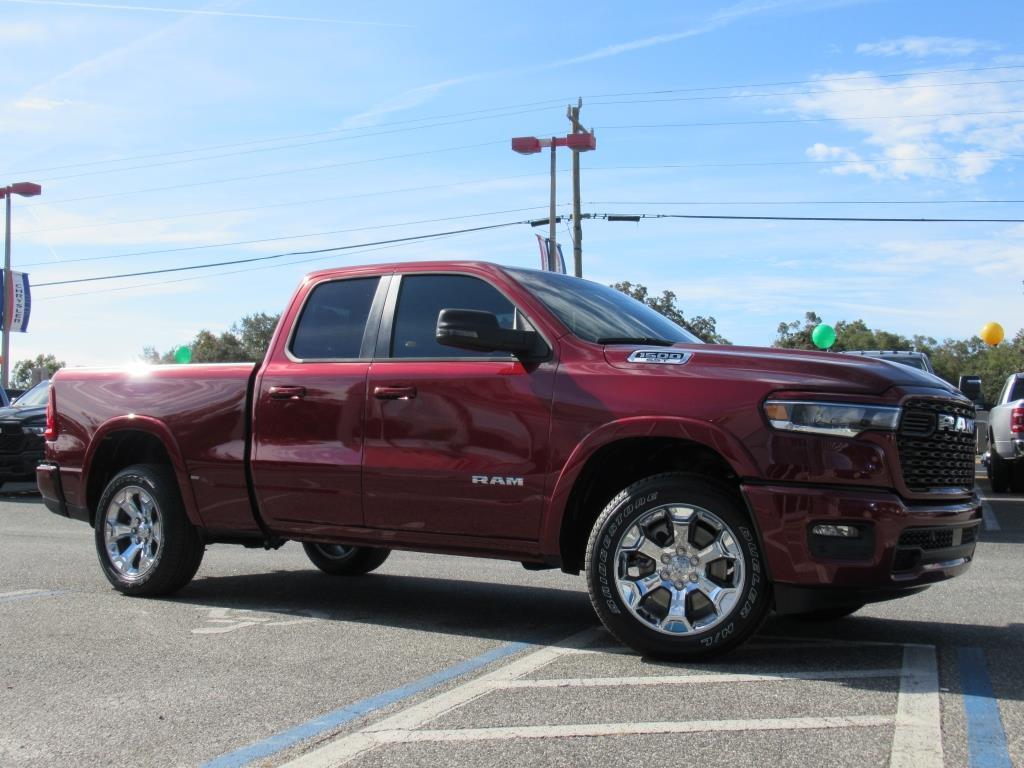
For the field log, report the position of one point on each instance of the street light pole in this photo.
(6, 346)
(577, 141)
(25, 189)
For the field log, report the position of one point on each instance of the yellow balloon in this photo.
(992, 333)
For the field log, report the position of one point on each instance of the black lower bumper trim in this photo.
(792, 598)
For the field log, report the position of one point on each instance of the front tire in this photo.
(674, 569)
(344, 560)
(146, 544)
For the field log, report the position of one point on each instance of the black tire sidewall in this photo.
(637, 500)
(998, 472)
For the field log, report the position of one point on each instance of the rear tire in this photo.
(998, 472)
(344, 560)
(146, 544)
(674, 569)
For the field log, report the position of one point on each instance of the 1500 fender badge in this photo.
(659, 356)
(497, 480)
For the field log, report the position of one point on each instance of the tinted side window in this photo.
(1018, 390)
(422, 298)
(333, 320)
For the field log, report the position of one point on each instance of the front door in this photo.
(456, 441)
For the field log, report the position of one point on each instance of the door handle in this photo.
(287, 393)
(394, 393)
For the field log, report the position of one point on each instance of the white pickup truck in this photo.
(1006, 437)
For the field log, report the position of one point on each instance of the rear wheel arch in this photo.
(117, 446)
(620, 463)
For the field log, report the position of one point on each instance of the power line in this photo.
(522, 106)
(413, 238)
(799, 202)
(410, 238)
(845, 78)
(800, 93)
(255, 241)
(728, 217)
(810, 120)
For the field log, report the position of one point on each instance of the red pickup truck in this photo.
(472, 409)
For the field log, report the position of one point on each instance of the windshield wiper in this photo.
(635, 340)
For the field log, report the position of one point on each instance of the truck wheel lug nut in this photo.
(665, 558)
(664, 573)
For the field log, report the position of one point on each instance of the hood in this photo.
(784, 368)
(13, 413)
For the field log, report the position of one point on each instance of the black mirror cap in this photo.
(480, 332)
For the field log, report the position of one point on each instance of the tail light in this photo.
(1017, 421)
(51, 416)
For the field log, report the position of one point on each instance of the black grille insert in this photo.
(938, 538)
(934, 453)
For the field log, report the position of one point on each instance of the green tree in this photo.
(21, 374)
(703, 328)
(246, 341)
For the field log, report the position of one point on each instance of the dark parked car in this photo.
(21, 435)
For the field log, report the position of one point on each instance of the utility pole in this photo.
(552, 229)
(573, 113)
(24, 189)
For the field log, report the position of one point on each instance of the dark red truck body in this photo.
(500, 458)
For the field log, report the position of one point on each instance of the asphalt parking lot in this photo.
(434, 660)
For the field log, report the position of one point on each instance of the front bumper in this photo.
(900, 549)
(19, 466)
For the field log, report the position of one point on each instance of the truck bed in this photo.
(199, 410)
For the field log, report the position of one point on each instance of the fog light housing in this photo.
(836, 531)
(841, 541)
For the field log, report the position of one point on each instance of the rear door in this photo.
(456, 441)
(309, 409)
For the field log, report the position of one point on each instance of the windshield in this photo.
(600, 314)
(35, 396)
(913, 362)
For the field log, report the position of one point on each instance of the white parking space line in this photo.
(917, 738)
(988, 516)
(27, 594)
(917, 741)
(627, 729)
(346, 748)
(601, 682)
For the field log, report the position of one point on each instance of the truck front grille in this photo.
(935, 457)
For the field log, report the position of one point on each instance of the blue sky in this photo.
(182, 126)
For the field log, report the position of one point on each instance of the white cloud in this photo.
(21, 32)
(920, 47)
(40, 104)
(955, 126)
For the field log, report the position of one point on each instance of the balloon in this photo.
(823, 336)
(992, 333)
(183, 355)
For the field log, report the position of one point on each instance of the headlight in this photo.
(34, 429)
(839, 419)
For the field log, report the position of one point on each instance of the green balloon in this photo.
(183, 355)
(823, 336)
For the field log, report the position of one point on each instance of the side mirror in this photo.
(970, 386)
(480, 332)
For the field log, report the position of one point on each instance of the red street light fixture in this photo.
(531, 145)
(24, 189)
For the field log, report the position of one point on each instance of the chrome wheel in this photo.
(132, 532)
(679, 569)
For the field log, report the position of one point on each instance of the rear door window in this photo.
(333, 320)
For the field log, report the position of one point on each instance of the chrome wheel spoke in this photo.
(117, 530)
(649, 549)
(676, 613)
(681, 532)
(714, 551)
